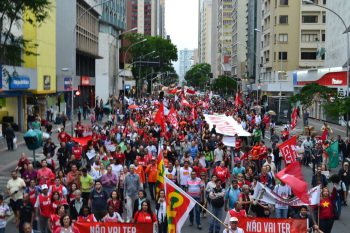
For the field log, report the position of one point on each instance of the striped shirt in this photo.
(194, 186)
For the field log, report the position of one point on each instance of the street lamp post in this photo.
(124, 62)
(279, 104)
(73, 60)
(347, 54)
(140, 66)
(257, 92)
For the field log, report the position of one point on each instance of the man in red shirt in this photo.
(237, 149)
(222, 173)
(262, 153)
(95, 137)
(285, 135)
(198, 169)
(80, 129)
(63, 136)
(43, 202)
(237, 212)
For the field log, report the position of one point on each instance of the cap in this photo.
(213, 135)
(318, 136)
(239, 161)
(52, 176)
(127, 135)
(233, 219)
(203, 174)
(153, 159)
(44, 186)
(346, 164)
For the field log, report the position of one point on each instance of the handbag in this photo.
(335, 212)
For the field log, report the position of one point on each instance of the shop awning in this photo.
(6, 94)
(128, 73)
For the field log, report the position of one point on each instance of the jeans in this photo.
(48, 113)
(152, 189)
(88, 115)
(306, 122)
(217, 163)
(109, 190)
(218, 213)
(278, 165)
(198, 213)
(128, 162)
(30, 124)
(306, 157)
(281, 213)
(100, 117)
(315, 163)
(341, 156)
(44, 224)
(2, 230)
(9, 143)
(338, 202)
(84, 115)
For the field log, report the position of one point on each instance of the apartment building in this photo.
(185, 58)
(224, 35)
(214, 37)
(144, 16)
(205, 34)
(299, 28)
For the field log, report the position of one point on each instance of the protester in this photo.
(216, 195)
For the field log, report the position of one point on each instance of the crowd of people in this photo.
(106, 180)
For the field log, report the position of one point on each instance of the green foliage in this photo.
(12, 13)
(308, 93)
(162, 47)
(198, 74)
(224, 84)
(338, 109)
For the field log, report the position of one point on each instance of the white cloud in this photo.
(181, 23)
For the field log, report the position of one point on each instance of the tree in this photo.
(12, 14)
(224, 84)
(308, 93)
(338, 109)
(163, 48)
(198, 74)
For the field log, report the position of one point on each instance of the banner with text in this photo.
(110, 227)
(226, 125)
(272, 225)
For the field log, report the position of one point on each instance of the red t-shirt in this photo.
(140, 217)
(222, 173)
(285, 134)
(199, 170)
(63, 137)
(120, 156)
(263, 149)
(238, 144)
(142, 162)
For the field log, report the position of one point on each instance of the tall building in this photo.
(185, 62)
(214, 37)
(144, 16)
(204, 48)
(112, 23)
(336, 37)
(239, 32)
(195, 57)
(224, 35)
(299, 28)
(162, 4)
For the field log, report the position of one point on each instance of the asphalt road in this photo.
(9, 161)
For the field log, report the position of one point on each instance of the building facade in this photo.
(204, 49)
(214, 38)
(185, 62)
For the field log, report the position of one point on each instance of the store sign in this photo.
(67, 84)
(336, 82)
(47, 82)
(85, 81)
(127, 87)
(19, 83)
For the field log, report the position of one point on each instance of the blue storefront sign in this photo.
(67, 84)
(19, 83)
(127, 87)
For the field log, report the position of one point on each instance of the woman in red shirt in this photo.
(326, 209)
(116, 203)
(285, 135)
(54, 222)
(56, 201)
(111, 216)
(145, 215)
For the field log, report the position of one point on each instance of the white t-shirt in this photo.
(284, 192)
(239, 230)
(13, 185)
(117, 169)
(184, 175)
(300, 151)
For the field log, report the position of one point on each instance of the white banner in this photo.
(226, 125)
(229, 141)
(265, 194)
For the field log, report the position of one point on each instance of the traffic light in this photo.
(211, 75)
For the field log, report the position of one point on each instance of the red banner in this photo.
(172, 118)
(294, 119)
(288, 150)
(239, 100)
(110, 227)
(272, 225)
(192, 92)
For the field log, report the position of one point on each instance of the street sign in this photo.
(127, 87)
(149, 62)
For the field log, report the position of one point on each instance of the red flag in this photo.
(182, 95)
(294, 119)
(324, 135)
(172, 92)
(185, 102)
(134, 126)
(293, 176)
(192, 92)
(160, 118)
(205, 104)
(194, 112)
(239, 100)
(288, 150)
(172, 119)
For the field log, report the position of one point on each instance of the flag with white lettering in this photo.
(288, 150)
(294, 119)
(172, 118)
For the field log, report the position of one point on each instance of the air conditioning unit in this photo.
(267, 60)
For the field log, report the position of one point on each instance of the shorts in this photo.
(15, 204)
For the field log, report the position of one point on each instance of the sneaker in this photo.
(199, 227)
(345, 204)
(204, 215)
(191, 224)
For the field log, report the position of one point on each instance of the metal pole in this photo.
(347, 54)
(73, 62)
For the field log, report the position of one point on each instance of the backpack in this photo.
(217, 202)
(335, 212)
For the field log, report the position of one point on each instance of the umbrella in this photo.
(133, 106)
(271, 112)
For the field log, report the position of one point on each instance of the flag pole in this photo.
(210, 213)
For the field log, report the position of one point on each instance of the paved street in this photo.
(10, 159)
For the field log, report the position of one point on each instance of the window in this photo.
(275, 20)
(310, 19)
(262, 44)
(274, 56)
(323, 18)
(275, 3)
(324, 2)
(283, 2)
(262, 13)
(308, 37)
(308, 56)
(284, 57)
(283, 37)
(283, 19)
(323, 37)
(323, 56)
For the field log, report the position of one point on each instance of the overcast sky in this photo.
(181, 23)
